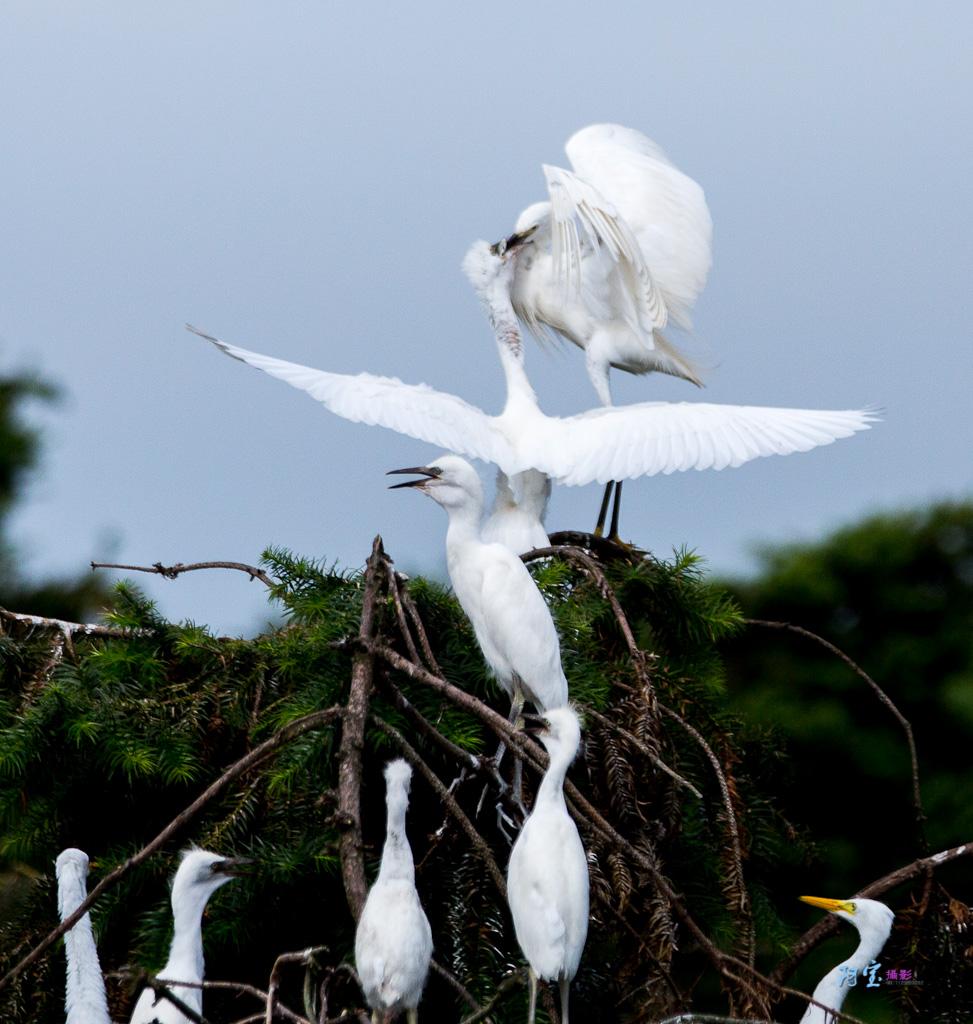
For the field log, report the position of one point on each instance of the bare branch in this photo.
(353, 741)
(512, 980)
(170, 572)
(882, 696)
(71, 629)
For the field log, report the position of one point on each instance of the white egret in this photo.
(510, 617)
(873, 920)
(199, 875)
(547, 877)
(621, 249)
(517, 518)
(84, 996)
(604, 444)
(393, 943)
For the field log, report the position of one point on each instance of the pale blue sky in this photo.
(303, 179)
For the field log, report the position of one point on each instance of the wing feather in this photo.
(657, 437)
(574, 203)
(416, 410)
(664, 209)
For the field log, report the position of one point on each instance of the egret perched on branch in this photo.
(199, 875)
(606, 444)
(517, 518)
(510, 617)
(873, 920)
(84, 996)
(547, 877)
(620, 250)
(393, 943)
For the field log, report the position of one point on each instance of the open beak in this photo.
(831, 905)
(426, 473)
(233, 866)
(535, 725)
(506, 245)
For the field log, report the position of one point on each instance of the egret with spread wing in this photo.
(604, 444)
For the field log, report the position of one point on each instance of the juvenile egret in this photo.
(874, 923)
(84, 996)
(510, 617)
(199, 875)
(393, 943)
(604, 444)
(547, 877)
(517, 518)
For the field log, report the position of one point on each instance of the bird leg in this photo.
(515, 718)
(565, 985)
(613, 535)
(412, 1016)
(603, 511)
(532, 999)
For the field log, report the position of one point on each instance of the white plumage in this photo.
(547, 877)
(599, 445)
(199, 875)
(873, 921)
(512, 622)
(621, 248)
(84, 996)
(393, 943)
(517, 518)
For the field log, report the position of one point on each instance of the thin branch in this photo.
(479, 844)
(410, 607)
(302, 957)
(170, 572)
(511, 981)
(590, 712)
(829, 924)
(71, 629)
(259, 754)
(731, 824)
(353, 741)
(461, 990)
(882, 696)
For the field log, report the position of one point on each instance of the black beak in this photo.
(506, 245)
(425, 472)
(535, 725)
(233, 866)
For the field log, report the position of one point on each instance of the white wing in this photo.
(576, 202)
(628, 441)
(663, 208)
(415, 410)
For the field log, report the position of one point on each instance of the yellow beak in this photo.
(825, 904)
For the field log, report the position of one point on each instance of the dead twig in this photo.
(170, 572)
(885, 699)
(353, 741)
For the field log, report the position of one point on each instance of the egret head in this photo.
(535, 216)
(398, 775)
(201, 873)
(487, 265)
(449, 480)
(71, 868)
(868, 916)
(558, 729)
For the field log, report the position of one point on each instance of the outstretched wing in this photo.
(627, 441)
(663, 208)
(415, 410)
(580, 213)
